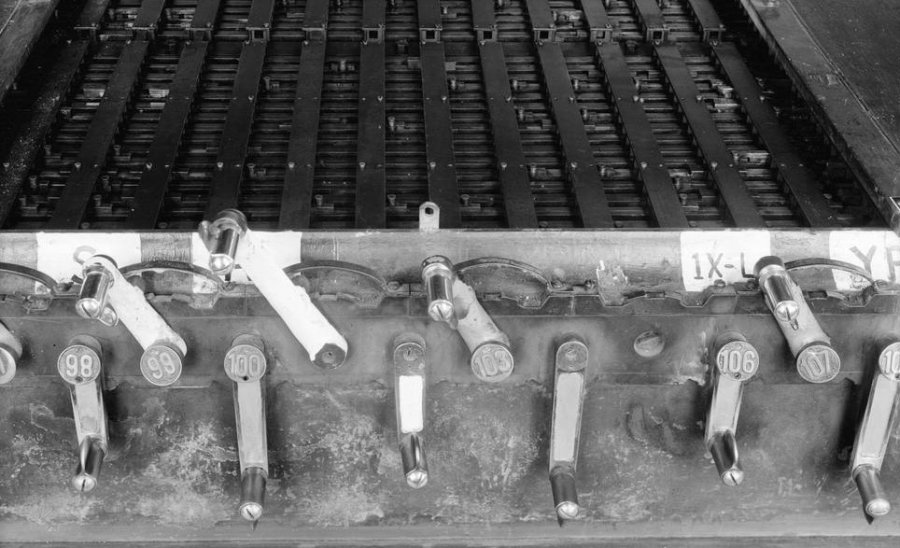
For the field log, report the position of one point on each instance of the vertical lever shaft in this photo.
(79, 366)
(736, 362)
(409, 394)
(816, 360)
(10, 354)
(565, 429)
(874, 433)
(245, 364)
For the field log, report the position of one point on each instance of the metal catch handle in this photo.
(565, 430)
(874, 433)
(409, 395)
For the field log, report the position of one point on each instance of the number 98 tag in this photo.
(161, 365)
(245, 363)
(78, 364)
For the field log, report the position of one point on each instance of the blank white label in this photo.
(410, 394)
(566, 416)
(709, 256)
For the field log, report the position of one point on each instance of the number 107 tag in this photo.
(730, 255)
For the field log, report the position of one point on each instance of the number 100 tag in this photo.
(78, 364)
(245, 363)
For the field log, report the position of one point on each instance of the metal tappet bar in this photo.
(226, 182)
(204, 20)
(442, 183)
(71, 206)
(297, 194)
(151, 191)
(514, 180)
(370, 175)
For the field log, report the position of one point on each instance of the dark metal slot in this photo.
(371, 209)
(719, 160)
(151, 191)
(598, 20)
(442, 182)
(651, 18)
(90, 18)
(512, 165)
(229, 170)
(71, 206)
(145, 23)
(259, 22)
(44, 111)
(296, 195)
(204, 20)
(710, 25)
(799, 179)
(541, 20)
(649, 162)
(587, 185)
(483, 20)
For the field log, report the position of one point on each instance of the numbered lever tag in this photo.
(874, 433)
(817, 361)
(245, 364)
(79, 366)
(231, 242)
(106, 296)
(735, 362)
(454, 302)
(565, 430)
(10, 354)
(409, 395)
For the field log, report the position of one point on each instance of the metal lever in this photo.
(231, 242)
(874, 433)
(452, 301)
(106, 296)
(79, 366)
(245, 364)
(10, 354)
(737, 361)
(409, 394)
(816, 360)
(565, 430)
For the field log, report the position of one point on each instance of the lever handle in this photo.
(245, 364)
(565, 429)
(736, 362)
(816, 360)
(409, 394)
(79, 366)
(874, 433)
(106, 296)
(453, 301)
(230, 242)
(10, 354)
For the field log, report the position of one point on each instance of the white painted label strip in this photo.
(566, 416)
(878, 253)
(727, 255)
(410, 403)
(56, 251)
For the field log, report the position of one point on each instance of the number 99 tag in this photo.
(161, 365)
(78, 364)
(738, 360)
(245, 363)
